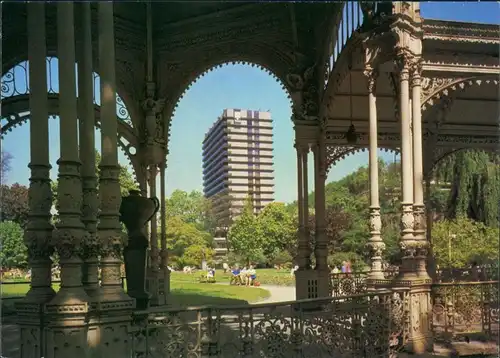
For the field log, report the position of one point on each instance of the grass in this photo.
(186, 291)
(264, 276)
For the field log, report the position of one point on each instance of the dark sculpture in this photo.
(135, 212)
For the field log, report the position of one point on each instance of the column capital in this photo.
(371, 75)
(404, 61)
(302, 147)
(416, 72)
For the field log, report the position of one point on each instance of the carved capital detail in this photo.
(407, 219)
(375, 222)
(416, 73)
(371, 75)
(304, 93)
(419, 218)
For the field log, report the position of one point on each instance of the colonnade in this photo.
(87, 234)
(413, 242)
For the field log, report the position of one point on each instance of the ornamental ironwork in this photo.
(15, 82)
(369, 325)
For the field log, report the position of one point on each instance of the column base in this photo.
(419, 309)
(153, 286)
(311, 284)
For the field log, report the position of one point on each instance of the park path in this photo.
(279, 294)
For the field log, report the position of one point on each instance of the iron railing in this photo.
(342, 284)
(369, 325)
(465, 310)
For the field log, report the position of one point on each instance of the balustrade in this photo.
(369, 325)
(466, 310)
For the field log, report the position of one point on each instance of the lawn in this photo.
(264, 276)
(186, 291)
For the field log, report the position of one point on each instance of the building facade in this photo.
(238, 163)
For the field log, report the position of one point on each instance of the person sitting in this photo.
(335, 270)
(211, 274)
(235, 276)
(251, 276)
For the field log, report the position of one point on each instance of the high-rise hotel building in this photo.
(238, 163)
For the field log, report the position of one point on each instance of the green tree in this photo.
(195, 254)
(459, 242)
(278, 229)
(182, 235)
(475, 185)
(192, 208)
(13, 252)
(245, 237)
(14, 204)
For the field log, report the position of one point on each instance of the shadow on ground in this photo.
(182, 300)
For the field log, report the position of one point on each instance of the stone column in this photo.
(110, 233)
(304, 247)
(321, 247)
(165, 285)
(39, 229)
(375, 244)
(418, 175)
(68, 310)
(306, 279)
(37, 235)
(70, 233)
(431, 261)
(301, 261)
(407, 243)
(86, 132)
(153, 274)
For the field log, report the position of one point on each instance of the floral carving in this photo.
(375, 220)
(371, 76)
(407, 218)
(304, 94)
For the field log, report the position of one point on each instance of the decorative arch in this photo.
(16, 108)
(219, 64)
(335, 153)
(433, 89)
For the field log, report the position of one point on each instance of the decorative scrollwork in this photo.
(345, 326)
(15, 82)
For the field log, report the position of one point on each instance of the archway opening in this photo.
(231, 138)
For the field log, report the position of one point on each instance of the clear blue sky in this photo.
(239, 86)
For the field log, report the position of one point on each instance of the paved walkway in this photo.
(279, 293)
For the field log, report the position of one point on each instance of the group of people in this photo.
(245, 276)
(345, 268)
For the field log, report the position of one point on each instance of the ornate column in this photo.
(375, 244)
(70, 234)
(67, 327)
(301, 257)
(154, 269)
(418, 174)
(37, 235)
(431, 261)
(304, 247)
(321, 247)
(165, 284)
(109, 228)
(407, 242)
(90, 203)
(306, 281)
(321, 239)
(39, 229)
